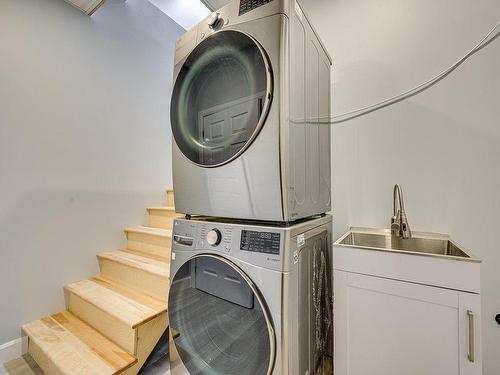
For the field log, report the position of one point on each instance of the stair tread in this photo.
(151, 264)
(151, 230)
(128, 306)
(75, 347)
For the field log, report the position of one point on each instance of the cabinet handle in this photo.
(471, 355)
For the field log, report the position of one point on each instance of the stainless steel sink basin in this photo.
(421, 243)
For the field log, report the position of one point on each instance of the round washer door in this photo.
(220, 321)
(221, 98)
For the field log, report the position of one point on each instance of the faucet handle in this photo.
(395, 226)
(405, 228)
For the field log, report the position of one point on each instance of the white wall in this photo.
(84, 141)
(442, 145)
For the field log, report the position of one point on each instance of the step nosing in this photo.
(153, 231)
(162, 208)
(134, 253)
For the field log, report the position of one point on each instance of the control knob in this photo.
(214, 237)
(214, 20)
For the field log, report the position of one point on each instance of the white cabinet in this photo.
(390, 327)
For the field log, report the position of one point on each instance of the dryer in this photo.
(251, 299)
(250, 115)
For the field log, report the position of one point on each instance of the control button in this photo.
(214, 237)
(214, 20)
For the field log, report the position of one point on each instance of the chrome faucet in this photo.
(399, 222)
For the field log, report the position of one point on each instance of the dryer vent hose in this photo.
(322, 308)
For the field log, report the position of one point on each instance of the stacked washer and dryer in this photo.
(251, 279)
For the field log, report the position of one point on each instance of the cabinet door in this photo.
(389, 327)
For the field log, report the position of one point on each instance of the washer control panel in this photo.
(258, 245)
(248, 5)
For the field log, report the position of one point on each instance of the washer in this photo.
(250, 115)
(251, 299)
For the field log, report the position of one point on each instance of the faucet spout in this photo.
(399, 222)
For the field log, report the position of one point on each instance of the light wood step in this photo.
(162, 217)
(154, 241)
(113, 309)
(138, 271)
(63, 344)
(170, 198)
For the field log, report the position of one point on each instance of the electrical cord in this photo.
(418, 89)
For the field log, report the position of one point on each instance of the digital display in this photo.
(248, 5)
(260, 242)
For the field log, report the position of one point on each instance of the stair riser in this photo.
(148, 336)
(150, 244)
(170, 198)
(42, 359)
(114, 329)
(162, 219)
(137, 279)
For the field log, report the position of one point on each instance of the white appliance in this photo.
(250, 115)
(251, 299)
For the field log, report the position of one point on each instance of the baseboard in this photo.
(13, 349)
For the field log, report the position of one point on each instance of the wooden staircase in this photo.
(114, 320)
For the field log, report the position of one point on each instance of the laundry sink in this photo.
(422, 243)
(430, 244)
(426, 258)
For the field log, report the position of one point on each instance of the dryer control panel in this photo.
(260, 242)
(248, 5)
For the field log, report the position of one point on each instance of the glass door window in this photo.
(222, 324)
(221, 98)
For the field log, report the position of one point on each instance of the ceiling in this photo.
(87, 6)
(215, 4)
(186, 13)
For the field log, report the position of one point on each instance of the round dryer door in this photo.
(221, 98)
(218, 320)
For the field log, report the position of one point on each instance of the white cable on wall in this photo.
(395, 99)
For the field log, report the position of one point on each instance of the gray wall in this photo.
(443, 145)
(84, 141)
